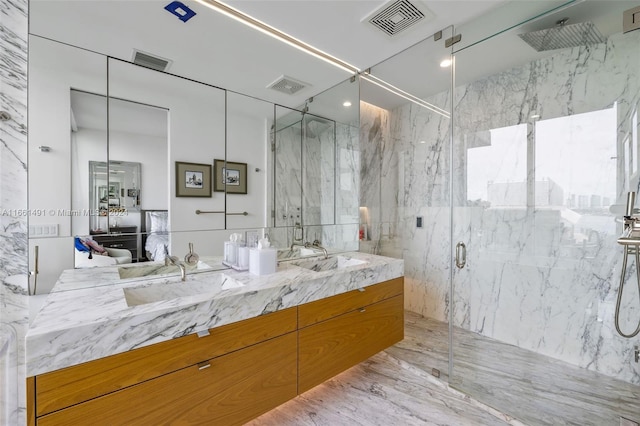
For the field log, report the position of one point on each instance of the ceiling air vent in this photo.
(396, 16)
(287, 85)
(150, 61)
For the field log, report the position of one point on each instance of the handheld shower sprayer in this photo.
(631, 201)
(630, 240)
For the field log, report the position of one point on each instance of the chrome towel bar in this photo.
(221, 211)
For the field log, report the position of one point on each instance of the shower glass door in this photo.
(545, 148)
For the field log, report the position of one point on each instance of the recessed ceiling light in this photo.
(534, 116)
(446, 63)
(423, 141)
(346, 104)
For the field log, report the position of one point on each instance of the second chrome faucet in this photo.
(173, 260)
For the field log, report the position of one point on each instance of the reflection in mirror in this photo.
(305, 169)
(114, 194)
(54, 70)
(318, 165)
(248, 130)
(316, 159)
(341, 104)
(122, 112)
(115, 188)
(287, 160)
(194, 129)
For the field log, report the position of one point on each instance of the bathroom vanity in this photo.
(219, 348)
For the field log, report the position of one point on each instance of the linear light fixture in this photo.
(256, 24)
(277, 34)
(406, 95)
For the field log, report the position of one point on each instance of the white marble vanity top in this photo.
(87, 315)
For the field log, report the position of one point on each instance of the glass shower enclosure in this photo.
(544, 148)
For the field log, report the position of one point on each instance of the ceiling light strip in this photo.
(390, 87)
(410, 98)
(277, 34)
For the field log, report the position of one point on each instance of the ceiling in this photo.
(217, 50)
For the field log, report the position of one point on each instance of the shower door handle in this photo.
(461, 255)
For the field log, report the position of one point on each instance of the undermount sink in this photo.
(136, 271)
(332, 263)
(206, 286)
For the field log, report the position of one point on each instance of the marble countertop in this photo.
(88, 315)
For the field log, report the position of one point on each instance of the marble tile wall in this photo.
(526, 283)
(13, 205)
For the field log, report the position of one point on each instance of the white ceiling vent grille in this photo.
(396, 16)
(287, 85)
(151, 61)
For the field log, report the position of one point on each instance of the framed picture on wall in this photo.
(229, 177)
(193, 179)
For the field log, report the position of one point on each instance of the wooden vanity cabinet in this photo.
(74, 385)
(228, 390)
(363, 323)
(236, 373)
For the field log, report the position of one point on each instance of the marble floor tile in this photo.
(534, 388)
(380, 391)
(493, 384)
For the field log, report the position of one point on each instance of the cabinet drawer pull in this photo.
(203, 365)
(361, 289)
(361, 310)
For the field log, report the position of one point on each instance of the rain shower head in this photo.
(562, 36)
(313, 125)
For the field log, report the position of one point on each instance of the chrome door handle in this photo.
(461, 255)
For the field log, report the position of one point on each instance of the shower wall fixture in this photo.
(630, 240)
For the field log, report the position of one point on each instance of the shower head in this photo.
(562, 36)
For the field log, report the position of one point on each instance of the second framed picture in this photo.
(229, 176)
(193, 180)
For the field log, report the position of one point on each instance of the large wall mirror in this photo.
(114, 146)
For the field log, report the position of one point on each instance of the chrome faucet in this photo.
(316, 245)
(173, 260)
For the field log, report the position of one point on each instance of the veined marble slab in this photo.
(95, 320)
(75, 279)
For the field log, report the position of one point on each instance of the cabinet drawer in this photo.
(320, 310)
(228, 390)
(330, 347)
(82, 382)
